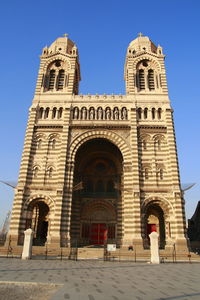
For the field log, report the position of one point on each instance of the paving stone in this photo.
(98, 280)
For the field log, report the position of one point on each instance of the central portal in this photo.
(98, 234)
(96, 204)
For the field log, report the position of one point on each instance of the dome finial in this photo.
(140, 34)
(65, 34)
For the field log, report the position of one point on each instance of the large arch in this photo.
(38, 213)
(114, 138)
(156, 215)
(96, 196)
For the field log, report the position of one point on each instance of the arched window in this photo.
(145, 113)
(144, 145)
(159, 113)
(52, 144)
(141, 80)
(99, 186)
(39, 144)
(60, 80)
(46, 113)
(89, 186)
(139, 111)
(52, 76)
(35, 172)
(159, 144)
(60, 113)
(151, 83)
(146, 173)
(54, 113)
(110, 186)
(41, 113)
(50, 172)
(153, 111)
(161, 174)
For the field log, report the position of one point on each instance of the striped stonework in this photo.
(100, 168)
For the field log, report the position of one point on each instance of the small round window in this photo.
(145, 63)
(58, 63)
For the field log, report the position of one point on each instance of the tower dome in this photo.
(141, 44)
(62, 44)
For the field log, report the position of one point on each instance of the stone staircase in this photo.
(90, 253)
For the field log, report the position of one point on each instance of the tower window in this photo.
(159, 113)
(151, 80)
(60, 80)
(141, 80)
(52, 76)
(46, 114)
(41, 113)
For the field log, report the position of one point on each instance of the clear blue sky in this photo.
(102, 31)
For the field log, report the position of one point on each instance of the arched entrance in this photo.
(38, 220)
(96, 193)
(98, 222)
(155, 221)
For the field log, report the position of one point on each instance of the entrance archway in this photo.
(96, 192)
(38, 220)
(155, 221)
(98, 222)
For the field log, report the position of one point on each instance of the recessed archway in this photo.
(96, 192)
(154, 220)
(38, 219)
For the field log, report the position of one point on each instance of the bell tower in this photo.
(59, 68)
(144, 70)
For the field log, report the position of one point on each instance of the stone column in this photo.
(27, 248)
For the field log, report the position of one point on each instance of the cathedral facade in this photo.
(100, 169)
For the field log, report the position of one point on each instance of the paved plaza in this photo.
(94, 280)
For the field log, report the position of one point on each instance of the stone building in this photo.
(100, 168)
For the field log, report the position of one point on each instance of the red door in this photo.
(151, 228)
(98, 234)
